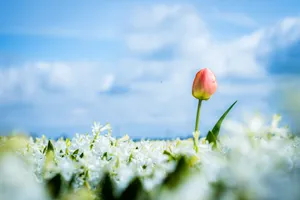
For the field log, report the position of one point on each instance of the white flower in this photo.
(96, 128)
(253, 158)
(17, 182)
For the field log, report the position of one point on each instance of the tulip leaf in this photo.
(212, 135)
(211, 138)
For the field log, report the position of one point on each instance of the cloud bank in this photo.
(147, 92)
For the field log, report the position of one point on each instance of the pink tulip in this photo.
(205, 84)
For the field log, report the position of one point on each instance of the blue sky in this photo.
(64, 65)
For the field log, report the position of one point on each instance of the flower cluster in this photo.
(252, 161)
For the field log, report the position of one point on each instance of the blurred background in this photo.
(66, 64)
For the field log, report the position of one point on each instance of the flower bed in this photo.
(248, 163)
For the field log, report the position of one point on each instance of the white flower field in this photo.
(254, 160)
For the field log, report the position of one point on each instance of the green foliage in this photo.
(211, 138)
(176, 177)
(212, 135)
(134, 191)
(54, 186)
(71, 182)
(81, 155)
(170, 155)
(105, 189)
(74, 154)
(85, 183)
(49, 147)
(218, 189)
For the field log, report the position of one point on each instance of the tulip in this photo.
(204, 86)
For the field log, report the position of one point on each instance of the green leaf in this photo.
(134, 191)
(211, 138)
(74, 154)
(171, 157)
(130, 158)
(49, 157)
(218, 189)
(81, 155)
(176, 177)
(71, 182)
(45, 149)
(49, 147)
(54, 186)
(212, 135)
(106, 188)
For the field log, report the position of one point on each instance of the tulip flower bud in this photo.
(204, 85)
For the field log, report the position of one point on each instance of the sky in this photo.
(66, 64)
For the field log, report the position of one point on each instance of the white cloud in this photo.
(239, 19)
(163, 25)
(284, 33)
(37, 79)
(147, 42)
(259, 88)
(188, 35)
(287, 93)
(151, 101)
(155, 16)
(59, 74)
(107, 82)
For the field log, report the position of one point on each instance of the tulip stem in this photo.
(198, 115)
(197, 133)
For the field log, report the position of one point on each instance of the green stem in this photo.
(197, 133)
(198, 115)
